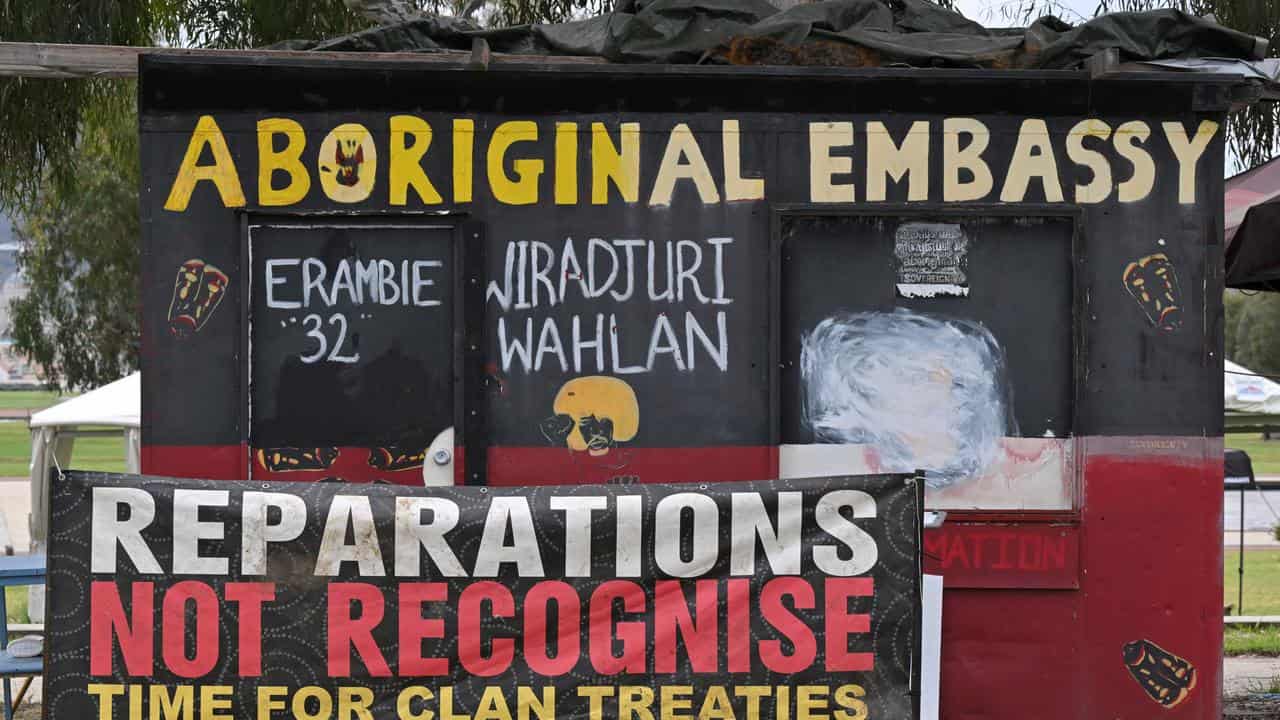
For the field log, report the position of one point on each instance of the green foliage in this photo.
(69, 155)
(16, 604)
(1256, 344)
(524, 12)
(79, 239)
(1233, 302)
(254, 23)
(41, 118)
(1253, 135)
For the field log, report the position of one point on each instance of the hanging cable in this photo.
(1252, 374)
(1274, 514)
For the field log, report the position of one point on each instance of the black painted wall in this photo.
(1040, 286)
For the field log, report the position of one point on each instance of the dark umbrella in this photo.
(1253, 257)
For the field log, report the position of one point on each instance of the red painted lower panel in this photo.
(215, 462)
(1150, 573)
(1015, 655)
(511, 466)
(1143, 565)
(1152, 557)
(508, 466)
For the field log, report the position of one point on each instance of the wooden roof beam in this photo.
(55, 60)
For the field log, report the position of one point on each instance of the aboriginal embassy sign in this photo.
(192, 599)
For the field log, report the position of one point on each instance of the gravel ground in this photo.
(1245, 673)
(1248, 709)
(1241, 677)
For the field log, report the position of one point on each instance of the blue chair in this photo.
(17, 570)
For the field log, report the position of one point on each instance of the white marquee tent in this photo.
(1251, 400)
(117, 408)
(112, 409)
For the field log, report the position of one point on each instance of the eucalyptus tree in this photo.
(1253, 135)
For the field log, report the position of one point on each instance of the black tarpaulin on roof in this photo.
(840, 33)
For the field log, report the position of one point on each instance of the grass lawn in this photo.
(1251, 641)
(91, 453)
(29, 399)
(104, 453)
(15, 604)
(1264, 453)
(1261, 597)
(1261, 580)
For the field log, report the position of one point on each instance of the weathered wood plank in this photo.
(52, 60)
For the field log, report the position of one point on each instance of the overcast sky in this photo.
(988, 12)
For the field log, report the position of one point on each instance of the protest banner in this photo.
(184, 599)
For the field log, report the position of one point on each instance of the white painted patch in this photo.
(926, 392)
(1028, 474)
(931, 290)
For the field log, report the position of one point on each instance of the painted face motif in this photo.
(597, 433)
(186, 286)
(197, 291)
(349, 156)
(593, 414)
(215, 286)
(1153, 283)
(348, 162)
